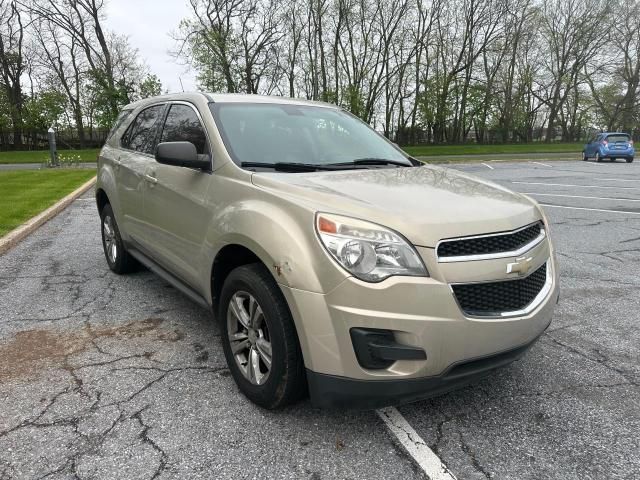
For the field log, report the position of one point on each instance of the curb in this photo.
(18, 234)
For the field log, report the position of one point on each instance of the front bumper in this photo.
(421, 312)
(330, 391)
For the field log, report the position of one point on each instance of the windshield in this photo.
(282, 133)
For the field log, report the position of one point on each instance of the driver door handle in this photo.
(151, 179)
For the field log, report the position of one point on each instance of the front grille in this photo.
(487, 299)
(507, 242)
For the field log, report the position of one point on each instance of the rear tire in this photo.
(259, 338)
(598, 158)
(584, 156)
(119, 260)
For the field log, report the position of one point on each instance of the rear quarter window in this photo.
(122, 117)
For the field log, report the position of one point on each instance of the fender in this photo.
(292, 252)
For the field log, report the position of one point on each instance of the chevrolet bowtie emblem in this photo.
(521, 266)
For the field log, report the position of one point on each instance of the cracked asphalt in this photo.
(570, 409)
(103, 376)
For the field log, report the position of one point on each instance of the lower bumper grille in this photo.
(496, 298)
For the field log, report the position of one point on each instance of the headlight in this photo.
(368, 251)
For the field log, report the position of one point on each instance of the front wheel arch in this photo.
(102, 199)
(235, 255)
(286, 382)
(227, 259)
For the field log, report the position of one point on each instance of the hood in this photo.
(425, 204)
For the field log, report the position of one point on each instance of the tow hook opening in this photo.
(377, 349)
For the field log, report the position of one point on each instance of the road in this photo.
(122, 377)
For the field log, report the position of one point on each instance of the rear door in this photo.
(176, 213)
(132, 159)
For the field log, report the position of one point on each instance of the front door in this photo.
(176, 214)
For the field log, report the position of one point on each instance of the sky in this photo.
(148, 23)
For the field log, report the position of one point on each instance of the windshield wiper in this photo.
(290, 166)
(373, 161)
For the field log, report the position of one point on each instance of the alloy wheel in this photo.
(249, 337)
(110, 240)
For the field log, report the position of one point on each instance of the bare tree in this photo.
(63, 65)
(12, 63)
(572, 32)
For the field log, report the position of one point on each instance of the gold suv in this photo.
(333, 262)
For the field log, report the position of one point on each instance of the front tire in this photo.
(119, 260)
(629, 159)
(598, 157)
(259, 338)
(584, 156)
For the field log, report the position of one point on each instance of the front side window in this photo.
(305, 134)
(141, 134)
(183, 125)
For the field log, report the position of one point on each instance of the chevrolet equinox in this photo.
(334, 263)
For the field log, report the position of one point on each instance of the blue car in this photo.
(611, 145)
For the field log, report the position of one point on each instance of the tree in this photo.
(12, 64)
(573, 32)
(62, 66)
(150, 86)
(112, 66)
(43, 110)
(617, 97)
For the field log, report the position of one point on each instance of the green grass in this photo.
(90, 155)
(25, 193)
(41, 156)
(431, 150)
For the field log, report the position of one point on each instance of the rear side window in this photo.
(183, 125)
(617, 138)
(141, 134)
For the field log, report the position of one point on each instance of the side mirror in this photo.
(181, 154)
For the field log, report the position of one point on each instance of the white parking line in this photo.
(414, 445)
(488, 166)
(589, 209)
(543, 164)
(582, 196)
(619, 179)
(577, 186)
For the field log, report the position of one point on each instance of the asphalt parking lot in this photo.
(122, 377)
